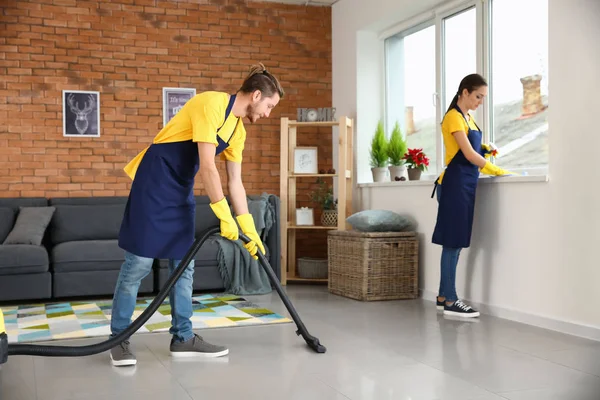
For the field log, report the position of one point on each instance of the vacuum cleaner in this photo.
(80, 351)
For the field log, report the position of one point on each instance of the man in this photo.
(159, 215)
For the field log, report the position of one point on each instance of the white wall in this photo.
(534, 251)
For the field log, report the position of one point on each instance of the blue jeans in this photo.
(448, 263)
(133, 270)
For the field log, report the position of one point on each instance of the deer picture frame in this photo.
(81, 113)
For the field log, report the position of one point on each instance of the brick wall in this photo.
(128, 50)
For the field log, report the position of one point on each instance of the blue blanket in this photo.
(241, 273)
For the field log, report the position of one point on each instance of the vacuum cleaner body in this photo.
(3, 340)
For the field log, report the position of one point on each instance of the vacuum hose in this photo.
(80, 351)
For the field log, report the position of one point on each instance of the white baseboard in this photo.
(570, 328)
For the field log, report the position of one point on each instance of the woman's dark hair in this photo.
(469, 82)
(260, 79)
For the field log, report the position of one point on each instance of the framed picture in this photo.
(173, 101)
(81, 113)
(305, 160)
(304, 216)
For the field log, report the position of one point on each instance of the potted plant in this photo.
(416, 162)
(379, 154)
(396, 149)
(323, 197)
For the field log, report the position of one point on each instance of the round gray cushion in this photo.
(380, 221)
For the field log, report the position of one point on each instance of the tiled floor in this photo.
(397, 350)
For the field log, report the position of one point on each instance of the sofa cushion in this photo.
(205, 218)
(22, 259)
(206, 256)
(87, 255)
(16, 202)
(7, 221)
(30, 225)
(86, 222)
(87, 201)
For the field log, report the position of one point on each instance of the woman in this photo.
(465, 157)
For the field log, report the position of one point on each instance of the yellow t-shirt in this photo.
(454, 121)
(198, 120)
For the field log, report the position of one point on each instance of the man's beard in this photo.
(250, 113)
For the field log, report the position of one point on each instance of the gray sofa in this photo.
(80, 256)
(24, 268)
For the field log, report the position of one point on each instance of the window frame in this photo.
(417, 25)
(441, 16)
(484, 50)
(413, 28)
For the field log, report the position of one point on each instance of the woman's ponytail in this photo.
(453, 103)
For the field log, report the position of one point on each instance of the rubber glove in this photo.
(229, 228)
(247, 224)
(488, 150)
(2, 327)
(491, 169)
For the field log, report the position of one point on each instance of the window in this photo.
(460, 51)
(519, 83)
(411, 64)
(423, 74)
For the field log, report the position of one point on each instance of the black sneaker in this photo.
(460, 309)
(440, 304)
(195, 347)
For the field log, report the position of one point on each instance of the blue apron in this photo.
(159, 219)
(457, 198)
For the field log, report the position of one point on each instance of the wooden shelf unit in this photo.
(288, 179)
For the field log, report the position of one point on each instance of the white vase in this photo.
(379, 174)
(396, 171)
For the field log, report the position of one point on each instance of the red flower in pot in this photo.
(416, 162)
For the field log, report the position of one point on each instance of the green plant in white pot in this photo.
(379, 154)
(397, 147)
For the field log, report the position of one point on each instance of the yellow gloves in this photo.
(491, 169)
(229, 228)
(2, 328)
(247, 224)
(488, 150)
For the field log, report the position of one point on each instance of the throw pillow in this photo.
(7, 220)
(380, 221)
(30, 226)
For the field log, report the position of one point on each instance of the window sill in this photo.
(428, 181)
(515, 179)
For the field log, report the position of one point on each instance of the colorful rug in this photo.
(70, 320)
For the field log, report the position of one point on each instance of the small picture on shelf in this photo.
(305, 160)
(304, 216)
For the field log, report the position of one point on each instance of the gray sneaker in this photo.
(122, 356)
(197, 347)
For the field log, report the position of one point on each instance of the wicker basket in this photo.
(373, 266)
(312, 268)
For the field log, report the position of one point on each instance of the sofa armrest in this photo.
(273, 240)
